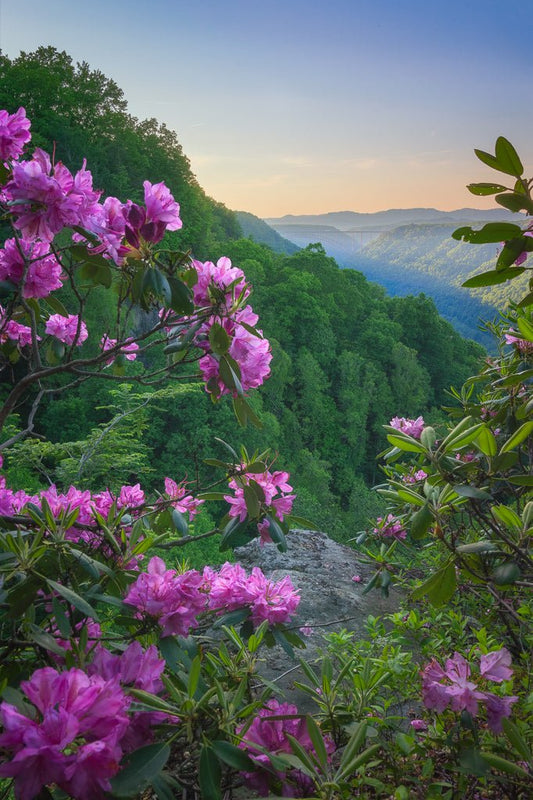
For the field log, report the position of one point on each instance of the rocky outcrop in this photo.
(323, 571)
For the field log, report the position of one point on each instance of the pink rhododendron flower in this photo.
(161, 206)
(174, 600)
(415, 477)
(522, 345)
(270, 734)
(70, 330)
(454, 687)
(129, 350)
(412, 427)
(217, 283)
(185, 503)
(15, 331)
(49, 198)
(43, 273)
(231, 588)
(130, 496)
(390, 527)
(73, 739)
(496, 666)
(277, 500)
(14, 134)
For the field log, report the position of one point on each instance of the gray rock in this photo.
(323, 571)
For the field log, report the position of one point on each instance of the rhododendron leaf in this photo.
(252, 502)
(233, 756)
(276, 534)
(56, 305)
(492, 277)
(219, 339)
(472, 762)
(97, 274)
(211, 495)
(420, 522)
(483, 189)
(256, 467)
(141, 767)
(439, 587)
(180, 296)
(521, 480)
(514, 201)
(516, 379)
(209, 774)
(179, 522)
(516, 738)
(505, 574)
(486, 441)
(472, 492)
(251, 329)
(245, 413)
(484, 546)
(518, 437)
(74, 599)
(464, 433)
(526, 328)
(502, 765)
(526, 301)
(505, 160)
(315, 734)
(508, 159)
(62, 621)
(44, 640)
(293, 519)
(491, 233)
(406, 443)
(411, 497)
(303, 759)
(230, 374)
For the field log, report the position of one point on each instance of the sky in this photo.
(304, 107)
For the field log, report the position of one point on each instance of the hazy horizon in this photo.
(294, 107)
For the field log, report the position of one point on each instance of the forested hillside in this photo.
(347, 357)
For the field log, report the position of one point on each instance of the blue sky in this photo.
(307, 107)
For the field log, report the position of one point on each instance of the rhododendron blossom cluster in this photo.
(412, 427)
(81, 726)
(453, 686)
(390, 527)
(274, 490)
(269, 732)
(69, 330)
(14, 134)
(43, 274)
(176, 600)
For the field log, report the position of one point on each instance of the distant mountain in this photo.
(354, 220)
(409, 251)
(256, 229)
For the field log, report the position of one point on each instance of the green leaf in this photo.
(508, 158)
(473, 762)
(506, 515)
(526, 328)
(219, 339)
(484, 189)
(510, 252)
(253, 506)
(502, 765)
(458, 439)
(276, 534)
(209, 774)
(518, 437)
(292, 520)
(179, 522)
(521, 480)
(420, 522)
(315, 734)
(485, 546)
(505, 159)
(233, 756)
(56, 305)
(439, 587)
(229, 373)
(74, 599)
(514, 201)
(505, 574)
(96, 273)
(142, 766)
(407, 444)
(44, 640)
(492, 277)
(180, 296)
(490, 233)
(514, 735)
(486, 441)
(471, 491)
